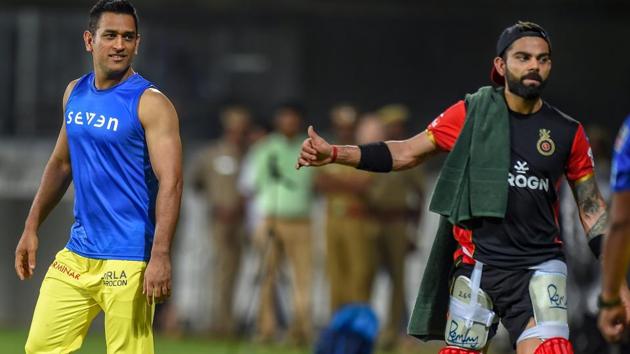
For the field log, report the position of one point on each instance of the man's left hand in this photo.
(157, 279)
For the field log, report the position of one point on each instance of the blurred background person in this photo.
(350, 253)
(247, 180)
(216, 172)
(395, 200)
(284, 196)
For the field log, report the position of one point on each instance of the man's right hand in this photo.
(315, 151)
(25, 255)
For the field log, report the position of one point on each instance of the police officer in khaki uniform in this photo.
(395, 201)
(216, 173)
(350, 234)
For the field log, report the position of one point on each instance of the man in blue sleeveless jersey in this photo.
(613, 317)
(119, 144)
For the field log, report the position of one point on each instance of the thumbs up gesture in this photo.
(315, 151)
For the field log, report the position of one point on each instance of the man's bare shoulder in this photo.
(72, 84)
(153, 96)
(153, 105)
(69, 88)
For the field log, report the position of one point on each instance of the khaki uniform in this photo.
(287, 239)
(350, 237)
(391, 197)
(216, 172)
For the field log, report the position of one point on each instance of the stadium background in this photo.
(204, 53)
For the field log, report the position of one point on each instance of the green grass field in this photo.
(12, 342)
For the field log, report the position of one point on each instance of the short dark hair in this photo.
(115, 6)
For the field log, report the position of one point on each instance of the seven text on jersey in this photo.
(89, 119)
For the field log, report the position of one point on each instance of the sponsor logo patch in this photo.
(114, 278)
(92, 119)
(522, 180)
(65, 270)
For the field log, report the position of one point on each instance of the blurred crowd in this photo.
(360, 225)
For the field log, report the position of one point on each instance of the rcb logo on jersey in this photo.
(545, 145)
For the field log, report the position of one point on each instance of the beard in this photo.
(528, 92)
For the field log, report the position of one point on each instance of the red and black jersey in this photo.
(544, 146)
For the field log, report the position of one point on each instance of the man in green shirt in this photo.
(284, 196)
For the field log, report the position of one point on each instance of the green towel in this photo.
(473, 181)
(472, 185)
(428, 318)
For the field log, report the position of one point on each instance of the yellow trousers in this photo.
(75, 290)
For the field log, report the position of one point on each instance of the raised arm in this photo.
(54, 184)
(161, 127)
(399, 155)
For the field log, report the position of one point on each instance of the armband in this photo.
(375, 157)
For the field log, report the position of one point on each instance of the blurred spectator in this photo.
(396, 201)
(350, 260)
(284, 196)
(216, 172)
(601, 144)
(247, 179)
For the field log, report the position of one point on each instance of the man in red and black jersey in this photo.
(545, 145)
(512, 266)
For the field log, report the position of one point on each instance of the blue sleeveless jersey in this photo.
(620, 171)
(115, 187)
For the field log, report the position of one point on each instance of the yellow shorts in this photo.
(75, 290)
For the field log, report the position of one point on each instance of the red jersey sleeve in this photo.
(580, 164)
(445, 129)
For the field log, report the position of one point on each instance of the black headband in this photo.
(520, 30)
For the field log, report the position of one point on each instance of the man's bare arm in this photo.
(161, 126)
(405, 153)
(55, 181)
(591, 207)
(616, 258)
(56, 178)
(412, 152)
(616, 255)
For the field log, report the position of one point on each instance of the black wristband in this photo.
(375, 157)
(601, 304)
(595, 244)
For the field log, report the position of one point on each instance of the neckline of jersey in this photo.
(526, 115)
(109, 89)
